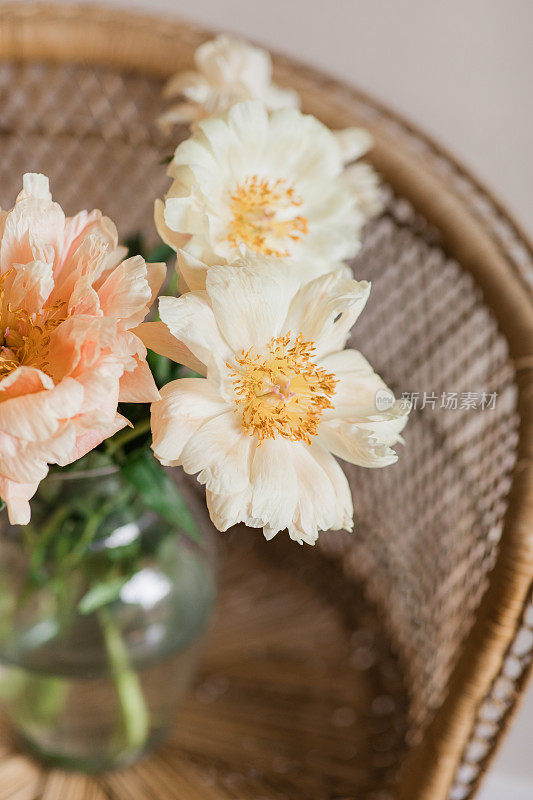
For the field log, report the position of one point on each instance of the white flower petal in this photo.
(317, 507)
(250, 303)
(227, 510)
(157, 337)
(274, 484)
(180, 114)
(365, 187)
(181, 215)
(155, 275)
(306, 271)
(182, 81)
(365, 443)
(355, 393)
(191, 320)
(276, 97)
(355, 429)
(192, 270)
(248, 125)
(306, 149)
(353, 142)
(325, 310)
(170, 237)
(185, 405)
(343, 494)
(220, 452)
(192, 153)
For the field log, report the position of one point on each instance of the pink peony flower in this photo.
(68, 352)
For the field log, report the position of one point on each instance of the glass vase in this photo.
(103, 604)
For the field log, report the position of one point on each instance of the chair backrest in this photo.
(445, 547)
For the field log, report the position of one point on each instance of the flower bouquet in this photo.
(239, 374)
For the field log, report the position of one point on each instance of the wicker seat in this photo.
(384, 664)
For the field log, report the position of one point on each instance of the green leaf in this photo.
(159, 492)
(2, 504)
(172, 288)
(161, 368)
(101, 593)
(135, 245)
(160, 253)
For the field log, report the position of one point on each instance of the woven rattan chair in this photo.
(384, 664)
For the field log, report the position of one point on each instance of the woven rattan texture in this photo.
(91, 132)
(301, 697)
(429, 527)
(495, 711)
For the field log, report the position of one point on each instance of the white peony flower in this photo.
(279, 397)
(228, 71)
(273, 184)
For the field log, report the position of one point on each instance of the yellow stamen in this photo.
(283, 392)
(264, 216)
(24, 336)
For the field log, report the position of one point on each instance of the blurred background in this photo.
(462, 71)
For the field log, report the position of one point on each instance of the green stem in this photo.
(120, 439)
(135, 714)
(72, 559)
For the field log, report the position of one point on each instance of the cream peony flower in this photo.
(68, 304)
(273, 184)
(279, 397)
(228, 71)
